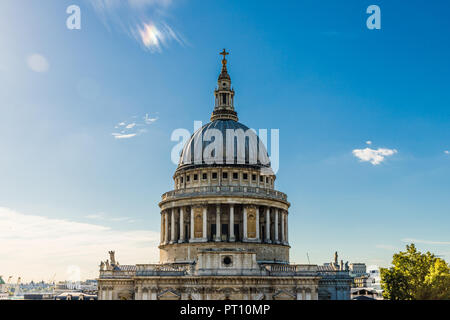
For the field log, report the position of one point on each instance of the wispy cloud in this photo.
(149, 120)
(36, 247)
(446, 152)
(374, 156)
(133, 128)
(124, 136)
(143, 20)
(103, 217)
(155, 38)
(431, 242)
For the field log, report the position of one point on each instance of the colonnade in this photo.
(224, 223)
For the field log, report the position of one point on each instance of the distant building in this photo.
(364, 294)
(75, 296)
(357, 269)
(3, 289)
(2, 284)
(367, 285)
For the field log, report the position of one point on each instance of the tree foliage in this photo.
(416, 276)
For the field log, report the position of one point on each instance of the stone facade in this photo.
(224, 227)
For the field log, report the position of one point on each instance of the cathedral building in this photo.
(224, 227)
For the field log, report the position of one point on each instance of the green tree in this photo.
(416, 276)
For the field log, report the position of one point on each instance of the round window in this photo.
(227, 261)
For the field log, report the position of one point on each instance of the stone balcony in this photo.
(236, 191)
(291, 269)
(116, 274)
(186, 269)
(163, 269)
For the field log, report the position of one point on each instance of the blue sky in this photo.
(313, 71)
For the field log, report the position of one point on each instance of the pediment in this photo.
(169, 294)
(284, 295)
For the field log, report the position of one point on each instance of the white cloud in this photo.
(410, 240)
(373, 156)
(144, 20)
(37, 247)
(124, 136)
(133, 129)
(369, 142)
(38, 63)
(103, 217)
(447, 152)
(149, 120)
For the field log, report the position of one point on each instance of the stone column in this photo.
(287, 224)
(218, 227)
(232, 238)
(161, 240)
(166, 227)
(257, 224)
(276, 225)
(181, 240)
(192, 223)
(283, 240)
(268, 225)
(205, 212)
(138, 294)
(299, 294)
(245, 224)
(172, 228)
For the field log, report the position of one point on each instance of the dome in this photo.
(224, 143)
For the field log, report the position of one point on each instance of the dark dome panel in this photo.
(224, 142)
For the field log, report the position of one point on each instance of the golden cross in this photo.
(224, 54)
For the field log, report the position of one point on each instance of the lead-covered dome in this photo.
(224, 142)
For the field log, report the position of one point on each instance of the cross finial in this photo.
(224, 54)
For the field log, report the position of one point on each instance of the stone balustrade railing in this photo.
(116, 274)
(225, 190)
(290, 269)
(159, 269)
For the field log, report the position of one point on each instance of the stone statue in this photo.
(102, 265)
(112, 257)
(346, 266)
(336, 258)
(107, 265)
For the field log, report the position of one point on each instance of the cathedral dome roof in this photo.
(224, 142)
